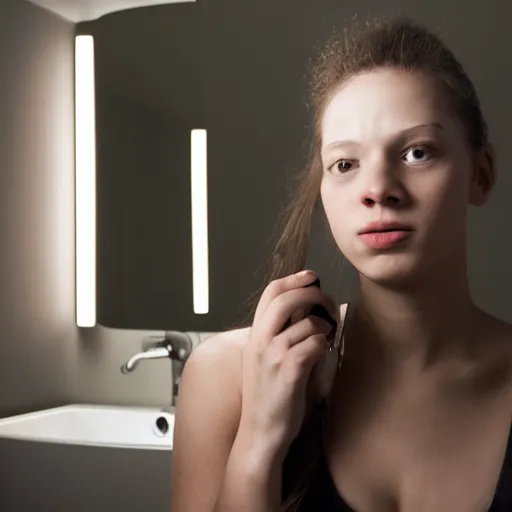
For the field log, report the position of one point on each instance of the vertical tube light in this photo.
(199, 221)
(85, 182)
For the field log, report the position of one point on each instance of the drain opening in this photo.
(162, 425)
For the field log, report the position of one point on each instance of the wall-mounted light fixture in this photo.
(85, 182)
(199, 201)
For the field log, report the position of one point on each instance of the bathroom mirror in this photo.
(149, 93)
(160, 72)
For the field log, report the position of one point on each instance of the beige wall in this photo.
(37, 331)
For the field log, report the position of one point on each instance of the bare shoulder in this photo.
(497, 346)
(207, 419)
(222, 351)
(226, 346)
(234, 340)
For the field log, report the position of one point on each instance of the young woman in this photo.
(417, 417)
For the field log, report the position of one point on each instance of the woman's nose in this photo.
(372, 198)
(383, 188)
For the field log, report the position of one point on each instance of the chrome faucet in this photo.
(174, 345)
(155, 353)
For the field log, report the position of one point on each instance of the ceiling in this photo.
(85, 10)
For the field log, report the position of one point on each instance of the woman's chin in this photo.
(392, 270)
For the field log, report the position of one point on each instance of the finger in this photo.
(286, 304)
(301, 330)
(301, 312)
(321, 312)
(280, 286)
(299, 315)
(302, 357)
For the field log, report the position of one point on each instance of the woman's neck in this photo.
(418, 326)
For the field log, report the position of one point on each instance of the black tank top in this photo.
(322, 495)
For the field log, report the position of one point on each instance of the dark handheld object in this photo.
(321, 312)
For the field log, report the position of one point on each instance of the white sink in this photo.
(84, 458)
(129, 427)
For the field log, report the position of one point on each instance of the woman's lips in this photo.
(384, 239)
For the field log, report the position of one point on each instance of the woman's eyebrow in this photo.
(402, 134)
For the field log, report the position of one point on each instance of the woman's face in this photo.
(393, 151)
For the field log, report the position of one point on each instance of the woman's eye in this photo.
(419, 154)
(343, 165)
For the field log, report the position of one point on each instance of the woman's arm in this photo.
(217, 467)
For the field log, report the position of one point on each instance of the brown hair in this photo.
(387, 42)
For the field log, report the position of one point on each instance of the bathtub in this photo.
(85, 458)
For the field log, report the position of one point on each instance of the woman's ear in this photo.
(483, 176)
